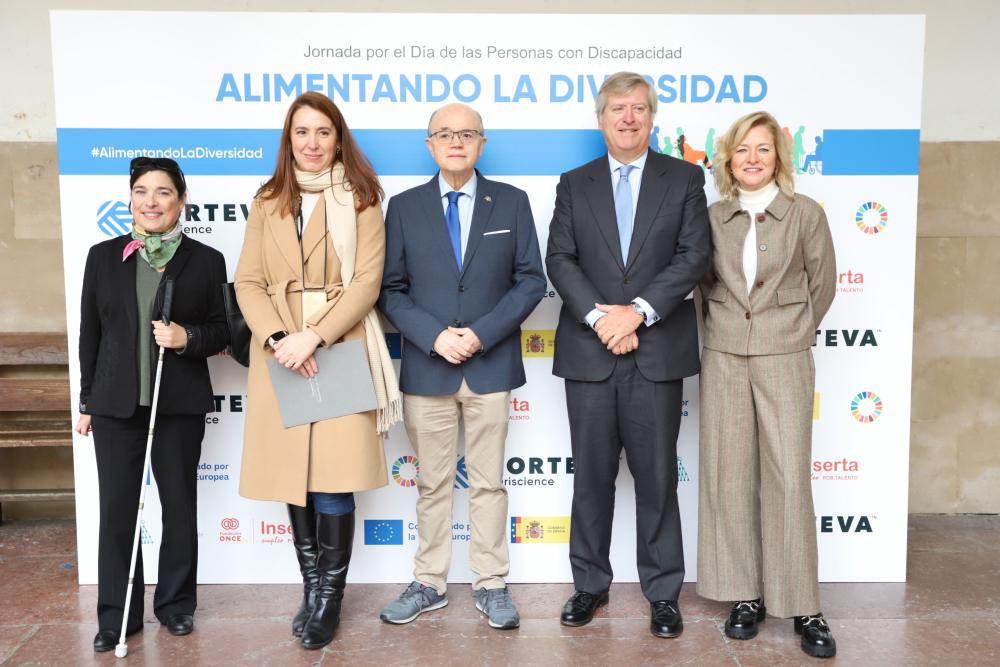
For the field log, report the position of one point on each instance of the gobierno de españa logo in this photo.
(871, 217)
(866, 407)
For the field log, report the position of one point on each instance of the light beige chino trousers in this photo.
(756, 523)
(432, 425)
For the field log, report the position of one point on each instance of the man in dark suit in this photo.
(629, 240)
(462, 271)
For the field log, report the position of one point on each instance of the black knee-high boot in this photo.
(336, 539)
(303, 521)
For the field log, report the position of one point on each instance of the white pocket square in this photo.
(499, 231)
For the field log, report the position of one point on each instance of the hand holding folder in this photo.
(343, 386)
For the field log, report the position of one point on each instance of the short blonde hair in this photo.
(623, 83)
(725, 146)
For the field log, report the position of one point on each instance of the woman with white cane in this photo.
(123, 321)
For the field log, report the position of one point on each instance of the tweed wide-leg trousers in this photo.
(756, 523)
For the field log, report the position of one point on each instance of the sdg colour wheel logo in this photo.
(113, 218)
(405, 470)
(871, 217)
(866, 407)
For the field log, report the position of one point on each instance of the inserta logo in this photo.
(871, 217)
(866, 407)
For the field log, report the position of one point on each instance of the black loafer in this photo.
(743, 619)
(817, 639)
(105, 640)
(579, 609)
(665, 619)
(180, 624)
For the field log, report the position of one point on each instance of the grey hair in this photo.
(623, 83)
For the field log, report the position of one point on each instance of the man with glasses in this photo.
(462, 272)
(629, 239)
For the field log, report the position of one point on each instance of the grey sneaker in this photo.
(498, 607)
(415, 600)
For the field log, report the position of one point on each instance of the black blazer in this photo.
(109, 375)
(423, 291)
(669, 252)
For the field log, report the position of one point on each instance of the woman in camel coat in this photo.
(315, 241)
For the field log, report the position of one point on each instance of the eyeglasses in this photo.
(446, 136)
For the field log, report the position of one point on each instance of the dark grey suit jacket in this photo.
(423, 292)
(669, 252)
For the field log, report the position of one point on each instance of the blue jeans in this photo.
(332, 504)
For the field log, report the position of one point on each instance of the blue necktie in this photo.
(454, 228)
(623, 209)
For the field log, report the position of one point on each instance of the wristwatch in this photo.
(275, 337)
(638, 310)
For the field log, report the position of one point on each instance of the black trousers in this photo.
(120, 447)
(643, 417)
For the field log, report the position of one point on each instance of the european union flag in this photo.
(383, 531)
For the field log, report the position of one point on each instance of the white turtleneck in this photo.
(754, 202)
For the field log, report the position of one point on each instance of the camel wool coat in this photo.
(335, 455)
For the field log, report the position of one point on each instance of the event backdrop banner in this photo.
(213, 96)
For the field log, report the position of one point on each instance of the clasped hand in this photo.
(617, 328)
(457, 344)
(171, 336)
(295, 352)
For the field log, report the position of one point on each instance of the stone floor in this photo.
(948, 613)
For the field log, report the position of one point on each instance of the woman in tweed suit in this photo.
(772, 279)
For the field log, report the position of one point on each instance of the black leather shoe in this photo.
(303, 520)
(744, 617)
(665, 619)
(105, 640)
(180, 624)
(580, 608)
(817, 640)
(335, 537)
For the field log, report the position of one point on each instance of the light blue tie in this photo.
(454, 228)
(623, 209)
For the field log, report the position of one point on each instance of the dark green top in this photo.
(147, 279)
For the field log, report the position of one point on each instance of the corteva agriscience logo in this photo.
(871, 218)
(405, 470)
(866, 407)
(114, 218)
(539, 529)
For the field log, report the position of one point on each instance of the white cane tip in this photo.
(121, 651)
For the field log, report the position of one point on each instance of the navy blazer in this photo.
(109, 321)
(668, 254)
(423, 291)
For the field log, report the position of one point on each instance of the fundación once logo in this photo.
(114, 218)
(866, 407)
(871, 218)
(380, 532)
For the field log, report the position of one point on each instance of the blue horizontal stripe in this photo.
(224, 152)
(871, 152)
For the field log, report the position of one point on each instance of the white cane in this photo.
(121, 650)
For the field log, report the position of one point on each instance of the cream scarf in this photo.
(343, 221)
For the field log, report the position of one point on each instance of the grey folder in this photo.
(343, 386)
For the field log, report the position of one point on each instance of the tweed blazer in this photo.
(795, 283)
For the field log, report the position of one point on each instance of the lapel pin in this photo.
(487, 199)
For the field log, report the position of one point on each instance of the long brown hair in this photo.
(358, 170)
